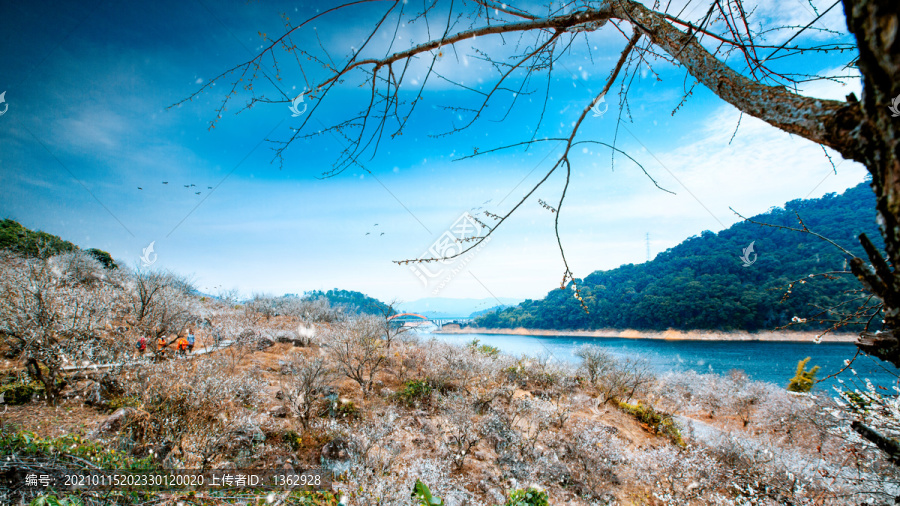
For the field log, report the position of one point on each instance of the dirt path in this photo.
(146, 357)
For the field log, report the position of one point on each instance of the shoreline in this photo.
(669, 335)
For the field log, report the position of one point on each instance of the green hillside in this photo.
(356, 302)
(703, 284)
(31, 243)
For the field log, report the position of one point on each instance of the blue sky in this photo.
(89, 87)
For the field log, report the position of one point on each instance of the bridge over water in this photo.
(416, 320)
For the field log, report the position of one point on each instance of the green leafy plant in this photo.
(804, 380)
(857, 403)
(658, 421)
(51, 500)
(20, 393)
(70, 445)
(293, 440)
(311, 497)
(422, 493)
(123, 401)
(337, 408)
(415, 392)
(103, 257)
(484, 349)
(528, 497)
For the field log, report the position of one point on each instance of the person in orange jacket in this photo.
(182, 346)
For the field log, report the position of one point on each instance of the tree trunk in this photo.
(874, 23)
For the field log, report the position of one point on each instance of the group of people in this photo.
(183, 344)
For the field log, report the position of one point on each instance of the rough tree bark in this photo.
(874, 23)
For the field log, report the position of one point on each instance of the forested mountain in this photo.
(355, 302)
(703, 284)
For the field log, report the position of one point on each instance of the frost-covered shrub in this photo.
(357, 349)
(452, 367)
(732, 395)
(160, 302)
(678, 476)
(540, 372)
(595, 455)
(307, 378)
(406, 360)
(460, 428)
(758, 470)
(364, 487)
(78, 267)
(614, 378)
(195, 406)
(50, 321)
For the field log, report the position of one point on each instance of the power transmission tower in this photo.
(648, 246)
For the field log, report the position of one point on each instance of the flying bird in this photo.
(382, 233)
(367, 233)
(376, 224)
(187, 186)
(192, 184)
(198, 193)
(165, 182)
(139, 188)
(209, 187)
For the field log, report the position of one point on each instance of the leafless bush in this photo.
(160, 302)
(358, 350)
(228, 297)
(78, 267)
(595, 455)
(732, 395)
(262, 305)
(537, 372)
(614, 378)
(680, 476)
(531, 418)
(449, 367)
(595, 362)
(405, 360)
(460, 428)
(308, 378)
(51, 320)
(312, 310)
(758, 469)
(367, 487)
(192, 409)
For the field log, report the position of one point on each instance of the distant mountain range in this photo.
(442, 307)
(737, 279)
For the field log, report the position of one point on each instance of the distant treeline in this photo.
(703, 284)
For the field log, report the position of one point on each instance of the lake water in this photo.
(774, 362)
